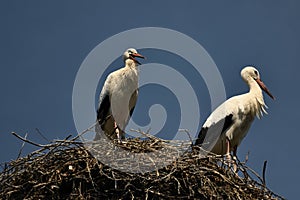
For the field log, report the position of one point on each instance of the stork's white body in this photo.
(123, 88)
(243, 109)
(118, 98)
(234, 117)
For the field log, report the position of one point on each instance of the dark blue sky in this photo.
(43, 43)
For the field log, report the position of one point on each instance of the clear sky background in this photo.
(43, 43)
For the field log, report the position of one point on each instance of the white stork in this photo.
(118, 98)
(229, 123)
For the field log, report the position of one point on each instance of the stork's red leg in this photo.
(228, 149)
(229, 156)
(117, 131)
(234, 159)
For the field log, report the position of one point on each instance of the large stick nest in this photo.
(65, 169)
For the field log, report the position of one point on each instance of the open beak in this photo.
(137, 55)
(134, 55)
(264, 87)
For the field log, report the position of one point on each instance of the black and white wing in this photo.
(215, 129)
(220, 120)
(103, 110)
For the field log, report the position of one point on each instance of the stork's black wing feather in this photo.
(221, 125)
(131, 111)
(103, 109)
(133, 102)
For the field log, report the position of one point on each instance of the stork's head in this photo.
(249, 73)
(132, 54)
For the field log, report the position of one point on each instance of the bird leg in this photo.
(235, 159)
(117, 131)
(120, 133)
(229, 159)
(228, 156)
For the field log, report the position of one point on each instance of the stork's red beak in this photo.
(134, 55)
(264, 87)
(137, 55)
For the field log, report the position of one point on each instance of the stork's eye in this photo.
(255, 72)
(130, 52)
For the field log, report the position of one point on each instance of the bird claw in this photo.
(231, 162)
(119, 136)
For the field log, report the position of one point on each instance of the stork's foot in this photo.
(228, 159)
(119, 133)
(231, 162)
(118, 136)
(235, 168)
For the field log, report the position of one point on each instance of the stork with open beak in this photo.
(118, 98)
(229, 123)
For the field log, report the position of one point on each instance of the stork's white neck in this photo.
(256, 98)
(130, 63)
(254, 88)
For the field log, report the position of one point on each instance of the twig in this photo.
(85, 131)
(42, 135)
(21, 149)
(188, 134)
(264, 172)
(28, 141)
(247, 157)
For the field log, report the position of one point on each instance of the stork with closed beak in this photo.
(118, 98)
(229, 123)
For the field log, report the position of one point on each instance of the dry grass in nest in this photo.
(65, 169)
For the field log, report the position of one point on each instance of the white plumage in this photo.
(118, 97)
(228, 124)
